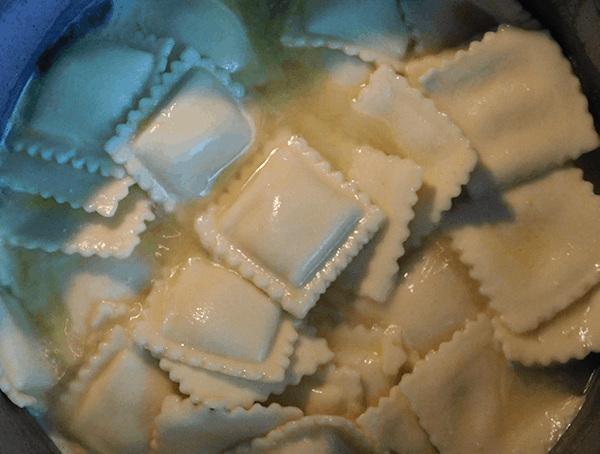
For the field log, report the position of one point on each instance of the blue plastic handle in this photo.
(27, 28)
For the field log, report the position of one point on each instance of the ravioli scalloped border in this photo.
(300, 366)
(50, 148)
(145, 335)
(301, 426)
(118, 146)
(115, 341)
(294, 37)
(296, 301)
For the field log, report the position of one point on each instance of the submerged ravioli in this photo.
(469, 398)
(270, 219)
(212, 309)
(32, 222)
(66, 184)
(263, 233)
(330, 391)
(392, 425)
(206, 316)
(207, 25)
(85, 94)
(216, 390)
(190, 141)
(183, 427)
(373, 30)
(229, 345)
(439, 24)
(116, 396)
(26, 373)
(462, 378)
(433, 298)
(516, 98)
(392, 184)
(166, 166)
(314, 434)
(376, 354)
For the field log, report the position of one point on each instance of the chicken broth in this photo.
(299, 240)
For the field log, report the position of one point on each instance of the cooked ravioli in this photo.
(116, 396)
(469, 398)
(376, 354)
(66, 184)
(216, 390)
(515, 97)
(191, 140)
(373, 30)
(439, 24)
(392, 425)
(264, 231)
(317, 433)
(572, 333)
(26, 372)
(182, 426)
(85, 95)
(424, 135)
(207, 316)
(392, 184)
(209, 26)
(271, 308)
(33, 222)
(535, 251)
(423, 306)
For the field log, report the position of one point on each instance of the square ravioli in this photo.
(541, 255)
(192, 139)
(434, 296)
(515, 97)
(573, 333)
(470, 399)
(227, 316)
(373, 30)
(205, 315)
(66, 184)
(270, 218)
(36, 223)
(294, 227)
(91, 88)
(222, 391)
(423, 134)
(115, 397)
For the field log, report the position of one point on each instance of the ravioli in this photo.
(25, 371)
(65, 184)
(214, 389)
(424, 135)
(67, 122)
(214, 430)
(313, 276)
(214, 329)
(32, 222)
(531, 262)
(539, 118)
(261, 233)
(116, 395)
(188, 142)
(341, 25)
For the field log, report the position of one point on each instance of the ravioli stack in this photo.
(359, 243)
